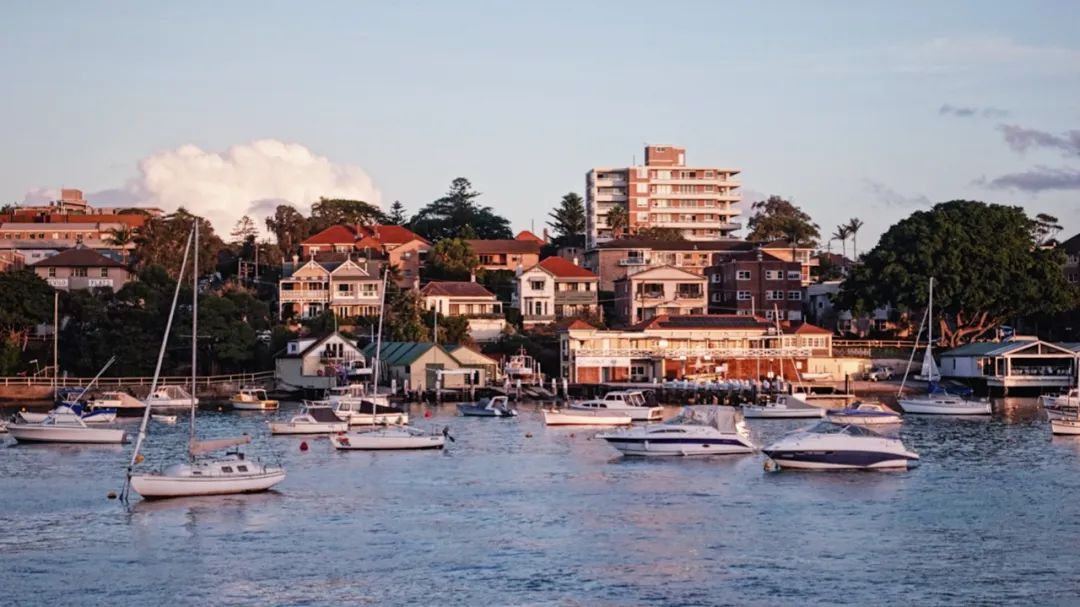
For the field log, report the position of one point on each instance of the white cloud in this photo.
(242, 180)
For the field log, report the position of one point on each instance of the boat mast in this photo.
(56, 340)
(378, 340)
(194, 331)
(157, 370)
(930, 323)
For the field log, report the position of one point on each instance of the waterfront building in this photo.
(425, 366)
(470, 300)
(396, 245)
(1021, 362)
(320, 362)
(821, 311)
(510, 254)
(700, 202)
(660, 291)
(331, 282)
(474, 359)
(82, 268)
(698, 347)
(555, 289)
(1071, 247)
(616, 259)
(751, 283)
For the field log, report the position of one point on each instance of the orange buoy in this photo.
(303, 445)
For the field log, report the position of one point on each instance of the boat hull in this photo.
(637, 414)
(171, 403)
(584, 418)
(876, 419)
(37, 433)
(470, 411)
(98, 417)
(673, 447)
(157, 486)
(837, 460)
(1065, 427)
(758, 412)
(307, 427)
(932, 408)
(359, 442)
(264, 405)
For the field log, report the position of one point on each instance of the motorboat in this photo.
(170, 397)
(356, 393)
(627, 402)
(312, 419)
(390, 438)
(165, 419)
(829, 446)
(197, 475)
(521, 366)
(227, 475)
(1069, 426)
(63, 425)
(943, 403)
(576, 417)
(253, 399)
(498, 406)
(696, 430)
(784, 406)
(864, 414)
(366, 413)
(123, 403)
(1061, 406)
(91, 416)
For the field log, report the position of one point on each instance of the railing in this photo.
(575, 297)
(300, 296)
(632, 261)
(534, 317)
(116, 382)
(872, 343)
(697, 352)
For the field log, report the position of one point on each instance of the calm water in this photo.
(991, 517)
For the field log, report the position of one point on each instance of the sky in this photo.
(871, 109)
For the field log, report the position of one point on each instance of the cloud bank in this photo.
(1021, 139)
(1036, 180)
(246, 179)
(891, 198)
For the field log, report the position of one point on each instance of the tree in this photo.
(336, 211)
(617, 219)
(985, 262)
(405, 316)
(1046, 228)
(397, 214)
(26, 300)
(778, 218)
(853, 227)
(243, 230)
(289, 228)
(120, 236)
(452, 329)
(568, 219)
(661, 233)
(458, 209)
(161, 241)
(451, 259)
(842, 232)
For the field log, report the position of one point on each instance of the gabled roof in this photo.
(339, 234)
(703, 321)
(363, 236)
(1001, 348)
(78, 258)
(659, 269)
(459, 351)
(320, 341)
(519, 247)
(527, 235)
(350, 268)
(1072, 245)
(453, 288)
(401, 353)
(805, 328)
(560, 267)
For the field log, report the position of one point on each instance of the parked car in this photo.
(878, 374)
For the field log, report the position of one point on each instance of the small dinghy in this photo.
(165, 419)
(498, 406)
(391, 438)
(312, 419)
(864, 414)
(253, 399)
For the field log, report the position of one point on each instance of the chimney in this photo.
(472, 276)
(547, 238)
(295, 259)
(575, 260)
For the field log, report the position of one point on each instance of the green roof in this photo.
(997, 348)
(404, 353)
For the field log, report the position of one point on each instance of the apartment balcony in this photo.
(538, 317)
(633, 261)
(303, 296)
(575, 297)
(610, 197)
(609, 182)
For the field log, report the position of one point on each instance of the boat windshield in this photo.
(827, 427)
(725, 419)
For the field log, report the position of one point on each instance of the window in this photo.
(714, 278)
(536, 285)
(80, 272)
(52, 272)
(744, 296)
(643, 217)
(226, 469)
(241, 469)
(774, 274)
(641, 188)
(774, 295)
(794, 275)
(643, 203)
(742, 275)
(794, 295)
(104, 272)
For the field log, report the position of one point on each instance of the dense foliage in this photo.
(568, 219)
(777, 218)
(457, 211)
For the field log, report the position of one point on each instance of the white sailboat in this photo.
(226, 475)
(938, 402)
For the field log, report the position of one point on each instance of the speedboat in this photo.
(1061, 406)
(253, 399)
(165, 419)
(829, 446)
(785, 406)
(864, 414)
(696, 430)
(167, 397)
(92, 416)
(123, 403)
(498, 406)
(312, 419)
(217, 476)
(366, 413)
(391, 438)
(600, 417)
(356, 393)
(62, 425)
(1065, 426)
(627, 402)
(943, 403)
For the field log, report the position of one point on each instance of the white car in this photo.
(878, 374)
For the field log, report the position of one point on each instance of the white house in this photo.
(554, 289)
(468, 299)
(312, 363)
(1022, 362)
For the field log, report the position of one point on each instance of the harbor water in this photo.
(513, 513)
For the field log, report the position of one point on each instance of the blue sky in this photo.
(838, 105)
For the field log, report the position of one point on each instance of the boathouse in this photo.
(1022, 362)
(423, 365)
(318, 363)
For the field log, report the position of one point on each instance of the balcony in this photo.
(303, 296)
(609, 182)
(538, 317)
(575, 297)
(355, 297)
(632, 261)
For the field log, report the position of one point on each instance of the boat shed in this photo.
(419, 364)
(318, 362)
(472, 358)
(1016, 363)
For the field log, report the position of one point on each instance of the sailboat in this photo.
(397, 437)
(938, 401)
(226, 475)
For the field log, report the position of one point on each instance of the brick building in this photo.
(749, 283)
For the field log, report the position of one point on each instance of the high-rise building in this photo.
(700, 202)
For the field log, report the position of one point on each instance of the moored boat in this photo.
(497, 406)
(942, 403)
(866, 414)
(784, 406)
(829, 446)
(554, 417)
(626, 402)
(253, 399)
(63, 425)
(123, 403)
(228, 475)
(92, 416)
(1065, 426)
(170, 397)
(696, 430)
(312, 419)
(391, 438)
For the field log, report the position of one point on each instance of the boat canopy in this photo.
(725, 419)
(217, 444)
(323, 414)
(827, 427)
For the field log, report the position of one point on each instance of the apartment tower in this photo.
(701, 202)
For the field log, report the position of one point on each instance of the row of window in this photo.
(770, 295)
(769, 275)
(81, 272)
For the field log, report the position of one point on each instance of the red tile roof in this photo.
(698, 322)
(804, 328)
(364, 236)
(393, 234)
(490, 247)
(339, 234)
(78, 258)
(455, 288)
(563, 268)
(527, 235)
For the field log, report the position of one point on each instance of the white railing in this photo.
(697, 352)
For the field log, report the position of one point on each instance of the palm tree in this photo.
(853, 229)
(842, 232)
(617, 218)
(120, 237)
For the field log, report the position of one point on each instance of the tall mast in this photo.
(930, 319)
(194, 329)
(378, 338)
(56, 340)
